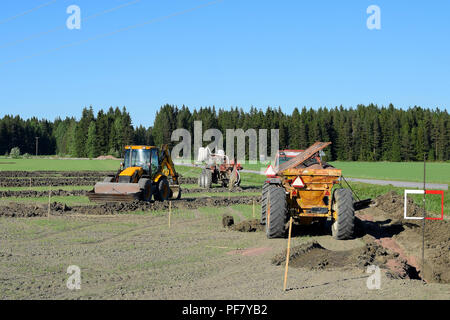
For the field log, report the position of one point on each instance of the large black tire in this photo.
(163, 190)
(276, 227)
(344, 227)
(146, 189)
(264, 194)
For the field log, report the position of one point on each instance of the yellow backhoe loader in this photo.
(145, 173)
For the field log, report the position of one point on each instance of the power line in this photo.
(113, 32)
(27, 12)
(62, 27)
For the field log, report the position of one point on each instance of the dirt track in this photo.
(139, 257)
(59, 178)
(13, 209)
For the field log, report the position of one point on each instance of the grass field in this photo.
(38, 164)
(437, 172)
(411, 171)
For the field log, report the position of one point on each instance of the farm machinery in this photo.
(301, 185)
(218, 169)
(146, 172)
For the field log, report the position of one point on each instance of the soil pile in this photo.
(248, 226)
(34, 194)
(227, 221)
(393, 204)
(313, 256)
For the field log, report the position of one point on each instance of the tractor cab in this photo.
(144, 157)
(283, 156)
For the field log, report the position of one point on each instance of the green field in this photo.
(40, 164)
(437, 172)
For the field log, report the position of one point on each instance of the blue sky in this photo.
(230, 53)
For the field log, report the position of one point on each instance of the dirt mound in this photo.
(437, 248)
(389, 228)
(313, 256)
(34, 194)
(221, 190)
(51, 181)
(252, 225)
(393, 204)
(19, 210)
(296, 251)
(108, 157)
(227, 221)
(248, 226)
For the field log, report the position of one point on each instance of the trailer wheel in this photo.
(146, 186)
(265, 189)
(276, 223)
(343, 228)
(163, 191)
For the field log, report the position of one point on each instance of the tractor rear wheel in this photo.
(163, 192)
(343, 228)
(276, 221)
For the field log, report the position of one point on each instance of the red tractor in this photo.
(218, 169)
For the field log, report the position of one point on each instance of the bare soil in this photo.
(205, 255)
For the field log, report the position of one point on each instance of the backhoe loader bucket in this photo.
(110, 191)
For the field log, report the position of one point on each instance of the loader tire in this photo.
(276, 227)
(264, 194)
(343, 228)
(163, 190)
(146, 189)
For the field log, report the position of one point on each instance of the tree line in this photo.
(364, 133)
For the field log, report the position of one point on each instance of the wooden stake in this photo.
(253, 214)
(30, 182)
(170, 211)
(49, 197)
(287, 254)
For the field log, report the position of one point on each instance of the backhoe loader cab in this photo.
(143, 157)
(146, 172)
